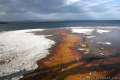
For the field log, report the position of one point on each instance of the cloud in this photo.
(58, 9)
(70, 2)
(2, 13)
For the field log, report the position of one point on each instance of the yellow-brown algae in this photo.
(65, 62)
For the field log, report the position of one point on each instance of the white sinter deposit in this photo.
(84, 31)
(19, 50)
(89, 31)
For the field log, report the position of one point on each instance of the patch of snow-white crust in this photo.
(89, 31)
(19, 50)
(85, 31)
(106, 43)
(102, 31)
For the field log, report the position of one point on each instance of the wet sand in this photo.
(66, 62)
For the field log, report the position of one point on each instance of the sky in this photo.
(21, 10)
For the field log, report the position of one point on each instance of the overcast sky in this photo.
(12, 10)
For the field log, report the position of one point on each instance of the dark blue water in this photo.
(5, 26)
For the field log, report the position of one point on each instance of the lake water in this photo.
(33, 25)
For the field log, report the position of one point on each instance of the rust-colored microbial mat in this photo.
(67, 62)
